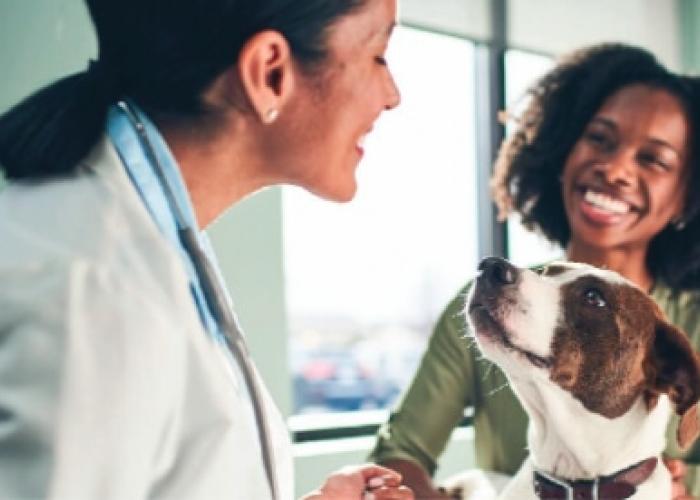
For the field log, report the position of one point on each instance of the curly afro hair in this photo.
(530, 162)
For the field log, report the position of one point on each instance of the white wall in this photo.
(689, 13)
(556, 26)
(468, 18)
(40, 40)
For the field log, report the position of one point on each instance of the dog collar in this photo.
(617, 486)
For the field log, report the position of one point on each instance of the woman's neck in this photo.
(629, 262)
(217, 171)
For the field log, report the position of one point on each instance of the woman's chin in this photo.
(337, 193)
(600, 225)
(601, 238)
(344, 196)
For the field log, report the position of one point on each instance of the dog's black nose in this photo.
(498, 272)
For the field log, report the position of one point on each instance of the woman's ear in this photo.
(266, 72)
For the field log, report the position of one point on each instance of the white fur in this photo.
(564, 438)
(476, 484)
(532, 321)
(567, 440)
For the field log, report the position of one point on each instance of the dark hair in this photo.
(163, 54)
(562, 102)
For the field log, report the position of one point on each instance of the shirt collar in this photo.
(135, 157)
(142, 172)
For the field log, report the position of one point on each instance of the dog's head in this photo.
(587, 330)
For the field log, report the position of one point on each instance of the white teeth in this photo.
(606, 202)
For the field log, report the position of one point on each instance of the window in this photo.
(522, 69)
(366, 281)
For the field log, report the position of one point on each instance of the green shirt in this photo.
(453, 376)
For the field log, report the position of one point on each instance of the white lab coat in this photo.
(109, 386)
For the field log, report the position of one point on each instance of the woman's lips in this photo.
(602, 209)
(360, 146)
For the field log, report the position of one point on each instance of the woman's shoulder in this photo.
(668, 297)
(682, 308)
(96, 217)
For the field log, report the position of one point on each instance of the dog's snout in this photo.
(498, 272)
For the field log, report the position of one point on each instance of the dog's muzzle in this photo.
(497, 279)
(497, 273)
(495, 291)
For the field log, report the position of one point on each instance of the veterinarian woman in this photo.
(122, 371)
(604, 161)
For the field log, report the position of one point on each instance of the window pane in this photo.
(365, 281)
(522, 69)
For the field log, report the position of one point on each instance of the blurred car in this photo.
(337, 381)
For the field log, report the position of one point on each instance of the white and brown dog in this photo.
(598, 370)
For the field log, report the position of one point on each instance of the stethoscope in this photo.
(214, 295)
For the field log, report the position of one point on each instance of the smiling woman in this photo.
(626, 178)
(337, 106)
(602, 161)
(113, 319)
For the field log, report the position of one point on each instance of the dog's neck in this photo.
(567, 440)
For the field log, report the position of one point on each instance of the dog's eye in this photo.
(594, 297)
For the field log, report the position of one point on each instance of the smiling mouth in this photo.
(603, 201)
(360, 145)
(487, 326)
(603, 207)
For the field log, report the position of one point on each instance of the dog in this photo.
(597, 368)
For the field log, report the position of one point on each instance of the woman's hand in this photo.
(363, 482)
(677, 468)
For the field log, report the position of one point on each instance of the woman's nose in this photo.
(393, 93)
(618, 169)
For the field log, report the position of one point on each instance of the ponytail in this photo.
(48, 133)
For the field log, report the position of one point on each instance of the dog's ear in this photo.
(674, 369)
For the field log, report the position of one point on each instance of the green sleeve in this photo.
(683, 310)
(443, 384)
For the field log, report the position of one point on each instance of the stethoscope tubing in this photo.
(215, 298)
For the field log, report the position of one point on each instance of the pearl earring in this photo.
(271, 115)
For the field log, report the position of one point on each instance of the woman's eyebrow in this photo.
(604, 121)
(380, 34)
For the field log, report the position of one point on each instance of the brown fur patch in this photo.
(566, 367)
(609, 355)
(612, 341)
